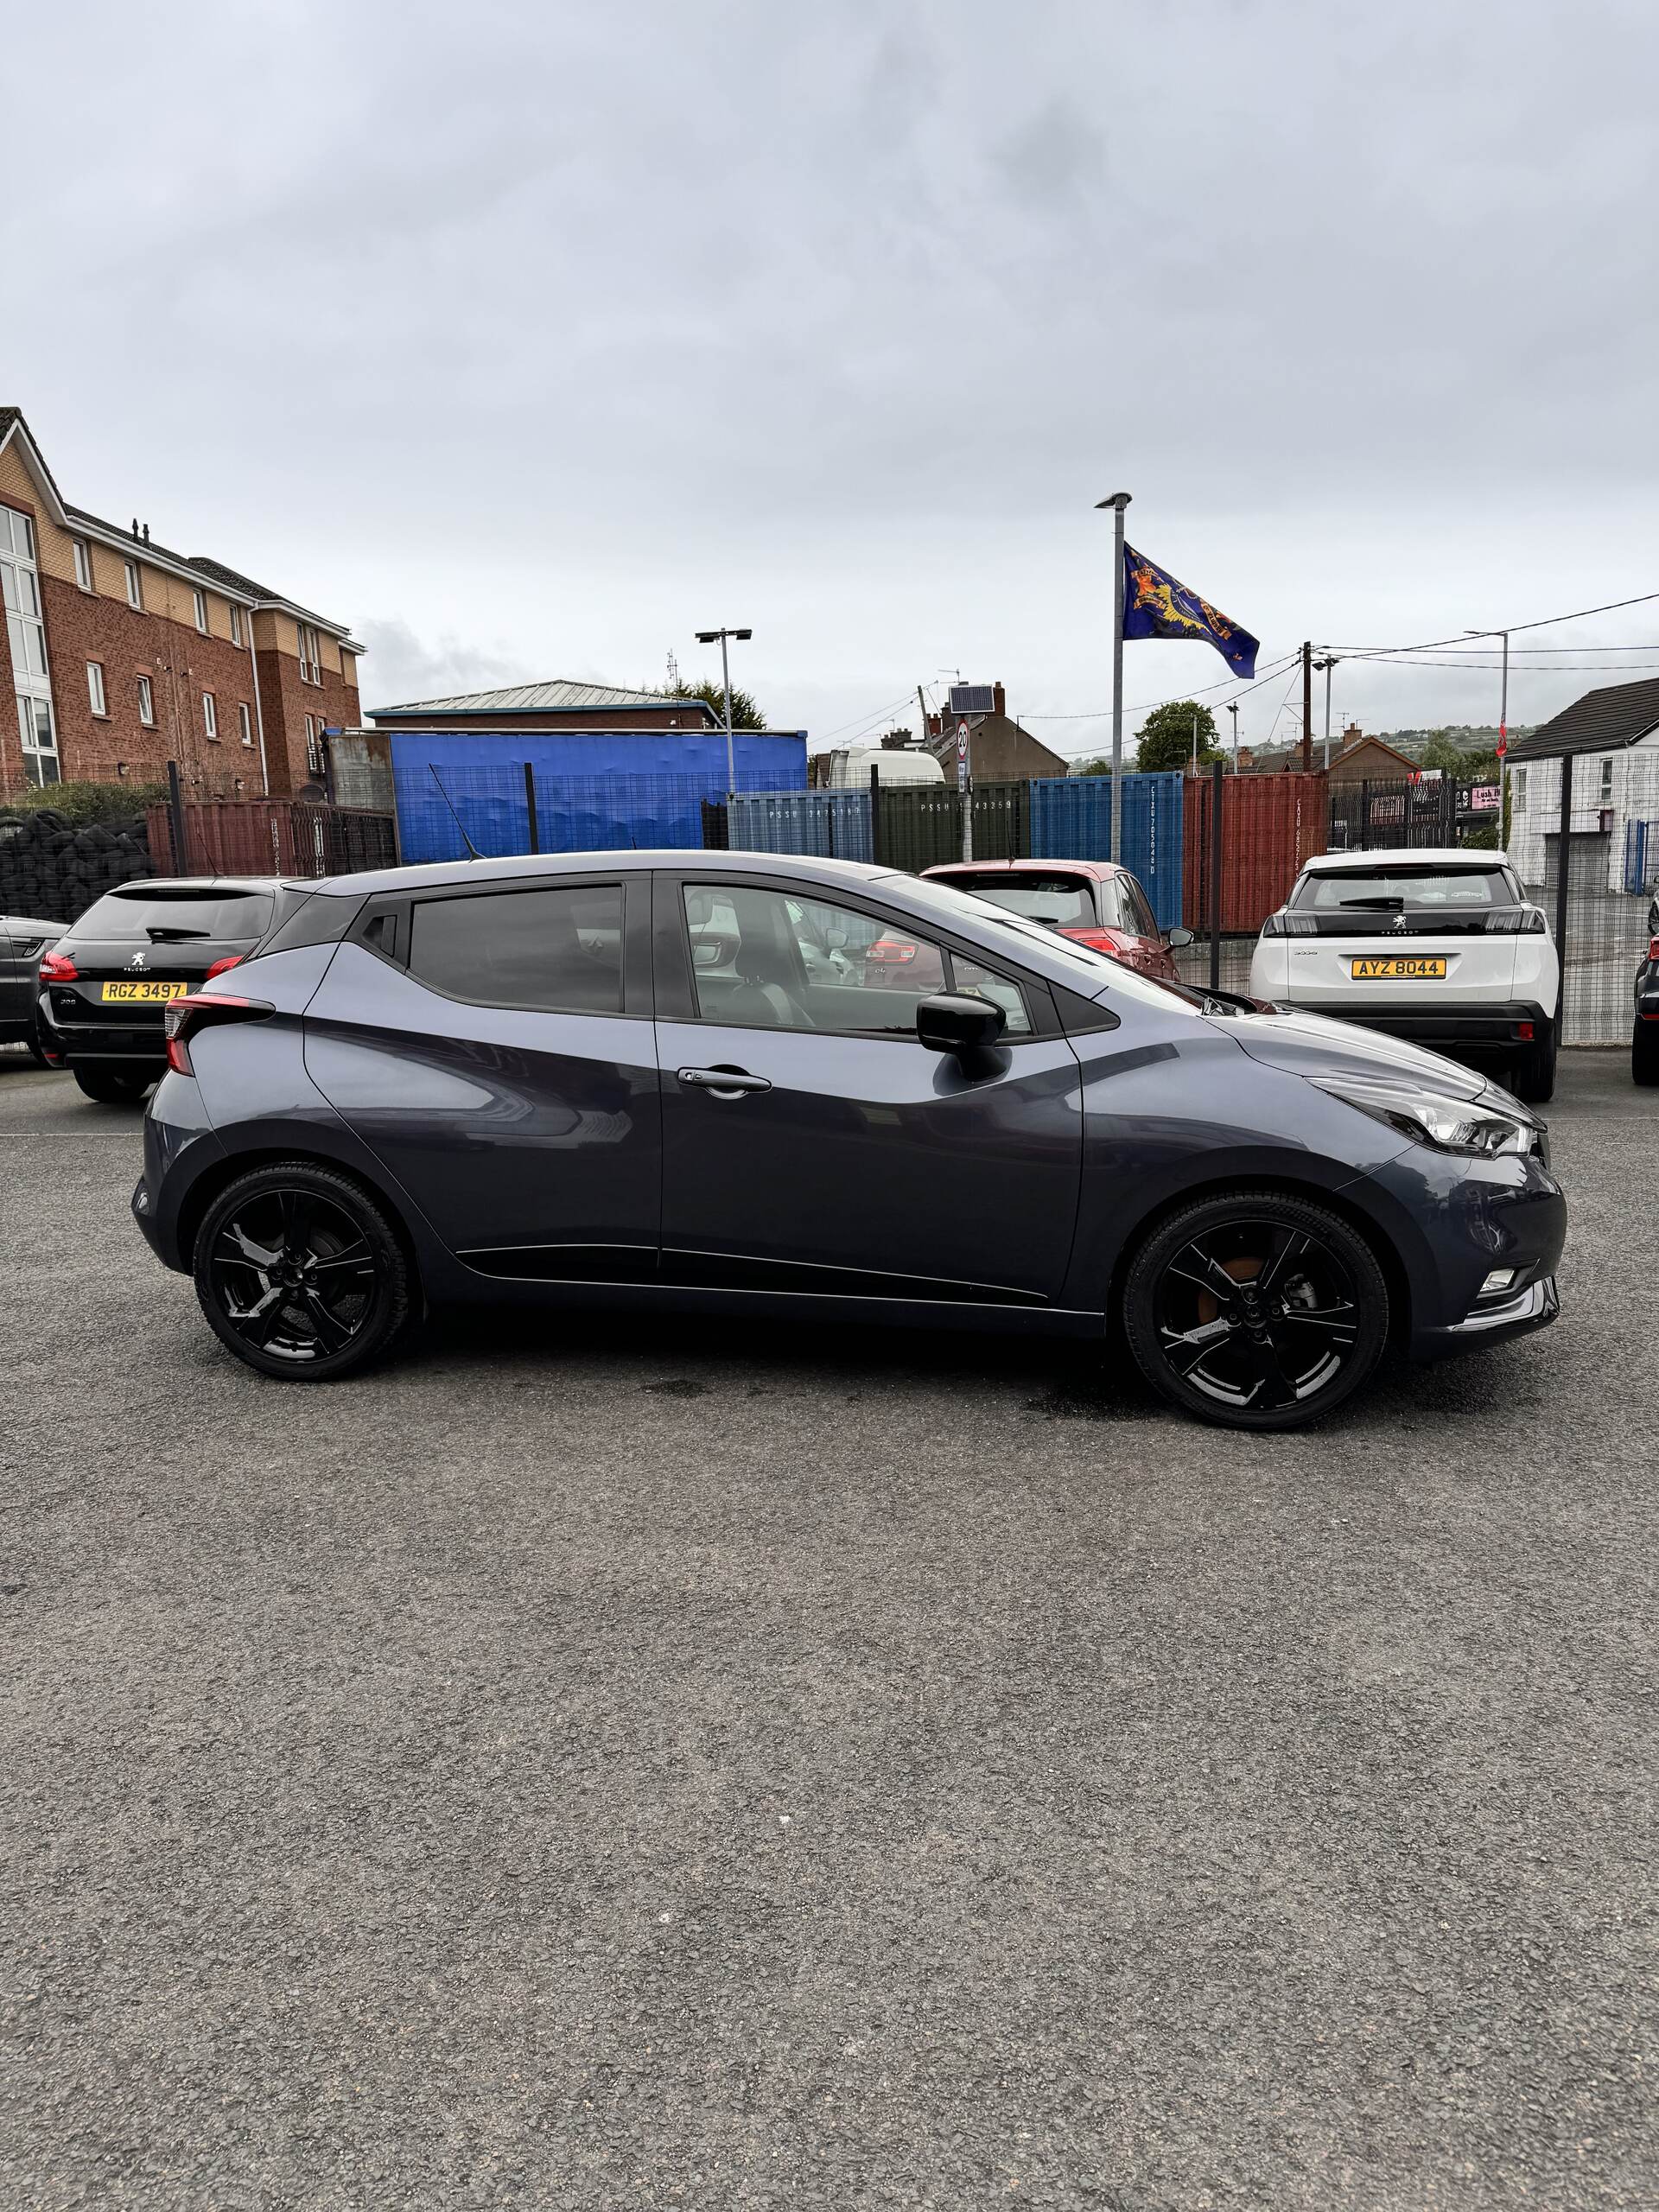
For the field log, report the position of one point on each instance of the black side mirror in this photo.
(1177, 938)
(952, 1022)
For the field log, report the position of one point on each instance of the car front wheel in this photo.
(1644, 1051)
(1255, 1310)
(299, 1272)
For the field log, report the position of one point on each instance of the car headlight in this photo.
(1428, 1117)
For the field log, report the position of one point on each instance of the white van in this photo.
(850, 766)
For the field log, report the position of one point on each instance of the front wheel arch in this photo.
(1382, 1246)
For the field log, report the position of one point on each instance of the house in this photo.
(125, 656)
(999, 750)
(1364, 759)
(1612, 737)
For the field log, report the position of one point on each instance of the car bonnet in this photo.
(1306, 1044)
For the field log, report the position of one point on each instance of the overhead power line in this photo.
(1514, 629)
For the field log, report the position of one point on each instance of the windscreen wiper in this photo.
(1378, 906)
(160, 933)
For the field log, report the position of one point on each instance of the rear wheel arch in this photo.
(227, 1170)
(1395, 1274)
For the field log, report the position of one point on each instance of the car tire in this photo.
(300, 1271)
(1285, 1359)
(115, 1086)
(1645, 1053)
(1535, 1071)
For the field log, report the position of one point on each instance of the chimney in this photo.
(999, 700)
(135, 525)
(146, 533)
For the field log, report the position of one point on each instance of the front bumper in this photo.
(1503, 1027)
(1534, 1308)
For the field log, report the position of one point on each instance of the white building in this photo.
(1613, 738)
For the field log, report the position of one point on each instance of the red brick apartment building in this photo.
(125, 656)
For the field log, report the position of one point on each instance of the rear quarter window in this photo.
(557, 950)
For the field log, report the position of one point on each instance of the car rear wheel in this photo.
(1644, 1051)
(1255, 1310)
(1535, 1071)
(299, 1272)
(115, 1086)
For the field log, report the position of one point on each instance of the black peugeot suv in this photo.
(107, 983)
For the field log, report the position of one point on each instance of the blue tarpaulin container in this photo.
(595, 790)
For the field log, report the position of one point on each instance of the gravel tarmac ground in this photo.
(599, 1764)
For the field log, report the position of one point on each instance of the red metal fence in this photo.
(270, 836)
(1269, 826)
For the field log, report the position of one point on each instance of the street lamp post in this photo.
(1327, 664)
(1232, 708)
(707, 638)
(1503, 733)
(1117, 502)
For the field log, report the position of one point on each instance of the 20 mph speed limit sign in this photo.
(961, 756)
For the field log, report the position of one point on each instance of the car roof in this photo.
(1408, 856)
(428, 875)
(1098, 869)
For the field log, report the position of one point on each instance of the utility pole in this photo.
(1502, 731)
(1195, 741)
(707, 638)
(1232, 708)
(1327, 665)
(922, 705)
(1308, 709)
(1117, 502)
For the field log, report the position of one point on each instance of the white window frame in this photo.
(96, 690)
(41, 760)
(24, 619)
(134, 586)
(244, 721)
(1607, 792)
(313, 745)
(84, 565)
(146, 703)
(201, 599)
(236, 623)
(1518, 786)
(210, 715)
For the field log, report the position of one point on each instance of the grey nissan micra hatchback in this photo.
(664, 1080)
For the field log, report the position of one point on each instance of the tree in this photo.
(745, 713)
(1167, 738)
(1101, 767)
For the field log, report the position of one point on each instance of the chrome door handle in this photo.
(724, 1082)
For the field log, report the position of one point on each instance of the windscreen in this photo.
(1059, 901)
(1018, 936)
(124, 917)
(1401, 889)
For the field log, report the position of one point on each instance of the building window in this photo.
(1606, 782)
(20, 590)
(236, 623)
(134, 586)
(210, 714)
(83, 564)
(244, 722)
(95, 687)
(313, 745)
(310, 655)
(146, 703)
(201, 599)
(1518, 786)
(39, 740)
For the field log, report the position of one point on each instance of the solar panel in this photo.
(972, 699)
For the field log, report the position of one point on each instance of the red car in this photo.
(1095, 901)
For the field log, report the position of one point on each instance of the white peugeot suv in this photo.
(1439, 946)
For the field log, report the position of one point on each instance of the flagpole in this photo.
(1118, 501)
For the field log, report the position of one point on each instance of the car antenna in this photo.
(473, 853)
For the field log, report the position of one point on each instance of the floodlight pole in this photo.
(707, 638)
(1117, 502)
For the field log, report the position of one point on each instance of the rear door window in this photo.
(554, 949)
(145, 916)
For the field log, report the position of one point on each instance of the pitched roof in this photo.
(557, 696)
(1615, 715)
(231, 580)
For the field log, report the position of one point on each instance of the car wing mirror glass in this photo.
(1179, 938)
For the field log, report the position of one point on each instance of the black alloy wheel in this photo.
(1644, 1051)
(115, 1086)
(299, 1272)
(1256, 1311)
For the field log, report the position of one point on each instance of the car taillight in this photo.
(1287, 924)
(231, 960)
(200, 1010)
(1098, 941)
(57, 968)
(1653, 948)
(890, 948)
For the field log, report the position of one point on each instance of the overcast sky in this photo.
(529, 337)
